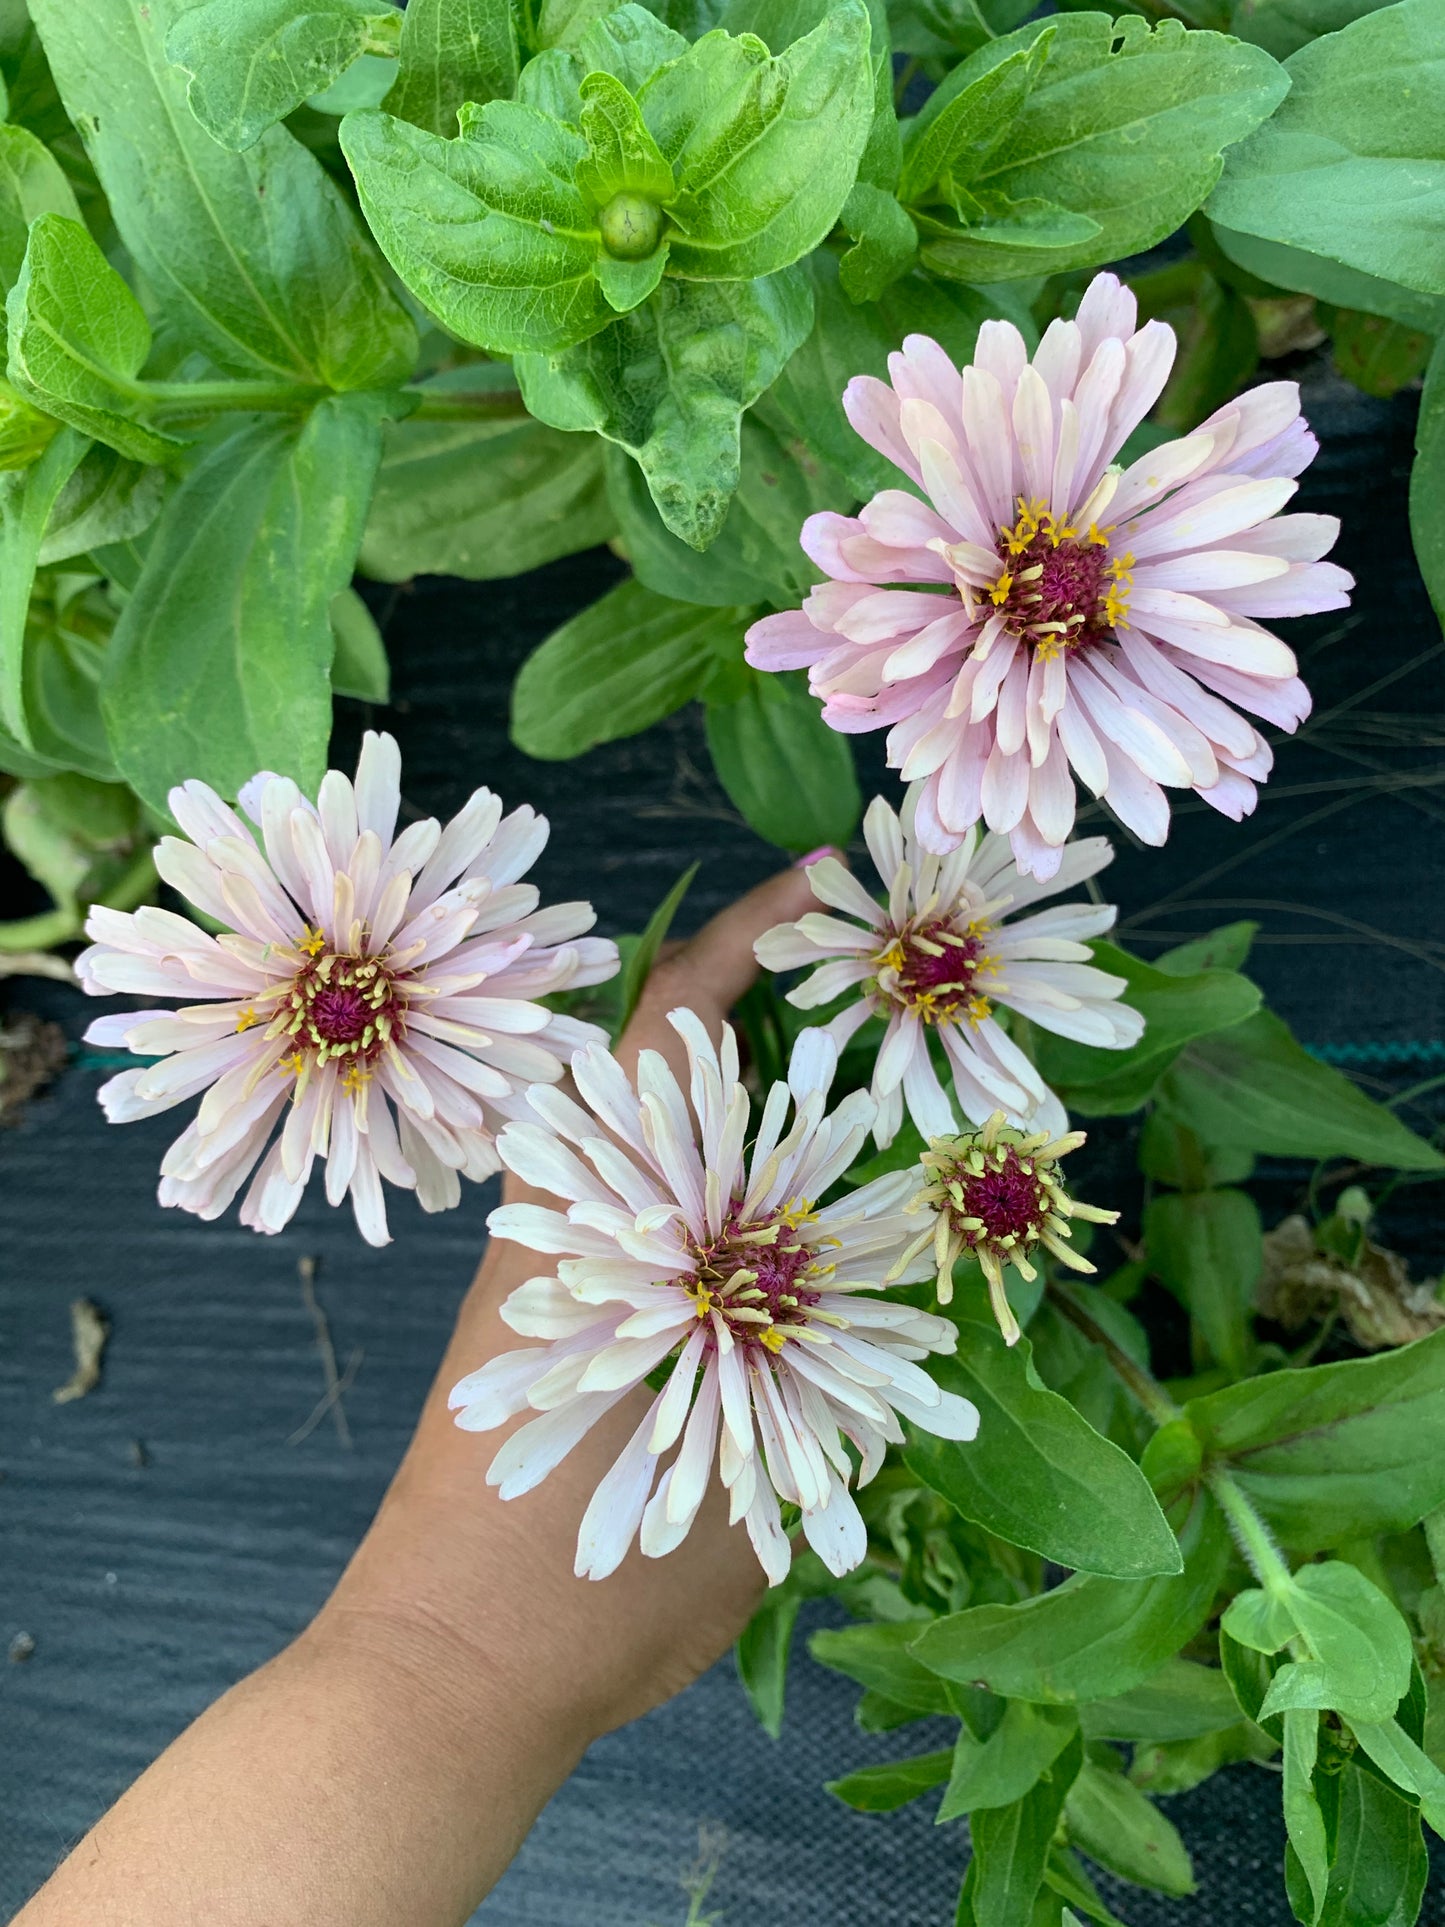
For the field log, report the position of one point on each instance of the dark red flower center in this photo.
(1059, 587)
(1007, 1200)
(343, 1006)
(758, 1284)
(935, 971)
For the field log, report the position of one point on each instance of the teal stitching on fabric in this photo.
(1429, 1050)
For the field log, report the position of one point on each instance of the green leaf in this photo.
(879, 1657)
(1174, 1154)
(221, 659)
(489, 230)
(847, 340)
(1356, 1652)
(1352, 166)
(1329, 281)
(1427, 484)
(67, 633)
(1121, 1828)
(1304, 1822)
(359, 667)
(1176, 1010)
(1208, 1248)
(1336, 1452)
(254, 258)
(789, 774)
(625, 662)
(1090, 1638)
(1226, 948)
(1038, 1474)
(885, 242)
(1407, 1764)
(1011, 1847)
(27, 500)
(1065, 1876)
(32, 183)
(78, 338)
(622, 156)
(893, 1783)
(482, 499)
(669, 384)
(764, 148)
(453, 51)
(1001, 1769)
(1378, 1861)
(964, 120)
(1182, 1701)
(1252, 1086)
(1162, 1767)
(251, 62)
(1378, 355)
(107, 499)
(756, 554)
(1124, 130)
(636, 969)
(628, 42)
(1282, 27)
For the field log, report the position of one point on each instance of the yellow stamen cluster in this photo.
(1116, 596)
(762, 1299)
(995, 1194)
(1056, 606)
(934, 968)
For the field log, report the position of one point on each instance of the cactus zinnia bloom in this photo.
(358, 971)
(996, 1195)
(1043, 615)
(686, 1251)
(937, 955)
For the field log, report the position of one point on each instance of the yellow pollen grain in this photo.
(245, 1018)
(313, 943)
(774, 1338)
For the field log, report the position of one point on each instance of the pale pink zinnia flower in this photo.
(937, 956)
(1067, 616)
(360, 970)
(721, 1265)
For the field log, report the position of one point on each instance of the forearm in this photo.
(370, 1774)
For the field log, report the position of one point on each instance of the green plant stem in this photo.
(1252, 1534)
(452, 405)
(180, 399)
(1144, 1386)
(229, 397)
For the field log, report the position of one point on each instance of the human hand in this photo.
(447, 1559)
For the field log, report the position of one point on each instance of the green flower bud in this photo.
(631, 227)
(25, 433)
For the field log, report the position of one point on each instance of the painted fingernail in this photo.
(816, 856)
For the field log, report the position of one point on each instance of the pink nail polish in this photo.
(816, 856)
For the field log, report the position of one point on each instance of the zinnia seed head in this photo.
(996, 1194)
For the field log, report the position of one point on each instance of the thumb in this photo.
(711, 971)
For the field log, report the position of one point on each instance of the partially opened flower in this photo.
(1042, 615)
(681, 1250)
(996, 1194)
(360, 970)
(938, 956)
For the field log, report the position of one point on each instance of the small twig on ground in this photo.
(336, 1382)
(89, 1329)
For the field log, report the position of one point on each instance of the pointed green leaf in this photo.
(78, 338)
(359, 667)
(1003, 1768)
(1208, 1248)
(32, 183)
(1090, 1638)
(252, 62)
(1011, 1848)
(1182, 1701)
(670, 382)
(453, 51)
(27, 499)
(1352, 167)
(253, 258)
(789, 774)
(1038, 1474)
(221, 661)
(1336, 1452)
(880, 1657)
(1254, 1087)
(626, 662)
(893, 1783)
(764, 148)
(1119, 1827)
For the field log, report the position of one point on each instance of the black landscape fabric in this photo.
(170, 1531)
